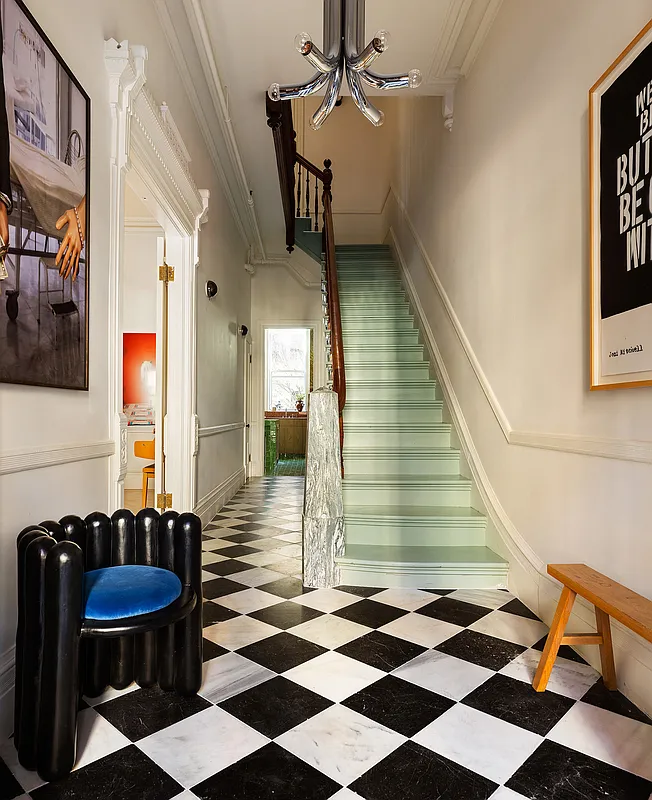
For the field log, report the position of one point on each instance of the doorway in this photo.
(288, 380)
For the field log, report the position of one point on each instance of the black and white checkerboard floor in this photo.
(352, 693)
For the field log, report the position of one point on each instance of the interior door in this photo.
(247, 406)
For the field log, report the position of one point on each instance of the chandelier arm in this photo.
(290, 92)
(367, 56)
(328, 103)
(351, 37)
(368, 109)
(319, 61)
(333, 28)
(360, 26)
(385, 82)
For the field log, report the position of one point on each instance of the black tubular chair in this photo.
(101, 601)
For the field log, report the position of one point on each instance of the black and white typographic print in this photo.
(625, 161)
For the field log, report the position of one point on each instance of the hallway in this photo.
(391, 693)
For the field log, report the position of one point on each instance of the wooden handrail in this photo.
(279, 119)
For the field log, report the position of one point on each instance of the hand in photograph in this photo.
(73, 242)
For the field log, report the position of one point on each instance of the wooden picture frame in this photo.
(620, 168)
(44, 315)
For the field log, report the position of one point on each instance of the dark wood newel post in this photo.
(279, 119)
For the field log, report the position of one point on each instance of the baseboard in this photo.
(528, 578)
(7, 667)
(211, 503)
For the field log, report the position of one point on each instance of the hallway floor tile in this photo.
(352, 694)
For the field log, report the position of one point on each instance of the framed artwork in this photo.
(44, 198)
(620, 119)
(139, 377)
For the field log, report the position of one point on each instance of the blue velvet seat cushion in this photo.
(118, 592)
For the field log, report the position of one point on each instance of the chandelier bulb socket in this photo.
(415, 78)
(274, 92)
(303, 43)
(382, 41)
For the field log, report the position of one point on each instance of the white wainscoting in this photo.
(211, 503)
(52, 455)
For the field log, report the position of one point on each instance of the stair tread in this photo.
(427, 554)
(424, 480)
(430, 512)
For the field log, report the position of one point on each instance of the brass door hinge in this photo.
(164, 501)
(166, 273)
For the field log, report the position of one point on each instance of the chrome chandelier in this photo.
(344, 52)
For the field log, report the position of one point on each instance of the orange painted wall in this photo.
(137, 347)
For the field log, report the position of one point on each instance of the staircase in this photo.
(407, 509)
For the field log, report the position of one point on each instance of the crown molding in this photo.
(488, 19)
(290, 266)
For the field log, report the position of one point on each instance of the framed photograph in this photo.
(620, 119)
(44, 209)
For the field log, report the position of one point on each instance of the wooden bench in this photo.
(610, 599)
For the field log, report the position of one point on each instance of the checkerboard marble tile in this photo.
(352, 694)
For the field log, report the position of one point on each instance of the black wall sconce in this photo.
(211, 289)
(244, 330)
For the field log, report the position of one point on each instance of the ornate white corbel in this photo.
(447, 104)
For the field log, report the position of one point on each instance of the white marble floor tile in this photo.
(257, 576)
(275, 522)
(489, 598)
(110, 694)
(229, 675)
(238, 632)
(503, 793)
(208, 576)
(326, 600)
(96, 738)
(263, 559)
(334, 675)
(511, 627)
(249, 600)
(292, 538)
(407, 599)
(444, 674)
(421, 630)
(231, 522)
(568, 677)
(235, 514)
(294, 527)
(610, 737)
(482, 743)
(216, 545)
(341, 743)
(289, 566)
(291, 550)
(346, 794)
(267, 544)
(329, 631)
(211, 557)
(201, 745)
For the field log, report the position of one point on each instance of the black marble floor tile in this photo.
(221, 587)
(285, 587)
(212, 650)
(276, 706)
(564, 651)
(368, 612)
(238, 550)
(456, 612)
(219, 517)
(286, 615)
(281, 652)
(360, 591)
(271, 773)
(518, 703)
(399, 705)
(124, 775)
(599, 695)
(229, 567)
(240, 537)
(554, 772)
(147, 711)
(381, 650)
(520, 609)
(440, 592)
(486, 651)
(414, 773)
(249, 527)
(213, 612)
(9, 786)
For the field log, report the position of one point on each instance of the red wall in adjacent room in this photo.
(137, 347)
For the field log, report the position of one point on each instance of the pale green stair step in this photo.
(429, 567)
(307, 239)
(393, 410)
(366, 339)
(389, 370)
(418, 526)
(408, 390)
(420, 490)
(397, 434)
(409, 353)
(405, 461)
(368, 323)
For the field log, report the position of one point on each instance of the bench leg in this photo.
(563, 612)
(606, 650)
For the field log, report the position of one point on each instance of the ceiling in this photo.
(242, 47)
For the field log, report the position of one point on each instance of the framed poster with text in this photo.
(620, 151)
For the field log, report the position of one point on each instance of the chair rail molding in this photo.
(622, 449)
(12, 461)
(214, 430)
(147, 147)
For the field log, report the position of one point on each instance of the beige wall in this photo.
(362, 164)
(501, 208)
(33, 417)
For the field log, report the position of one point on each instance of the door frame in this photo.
(248, 387)
(147, 150)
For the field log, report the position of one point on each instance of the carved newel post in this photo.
(323, 514)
